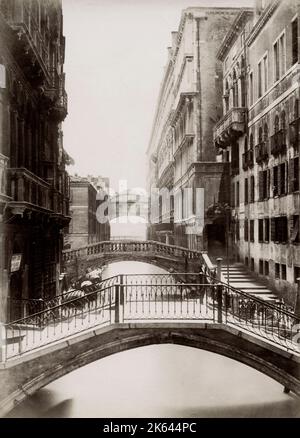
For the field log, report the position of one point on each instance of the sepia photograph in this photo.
(149, 212)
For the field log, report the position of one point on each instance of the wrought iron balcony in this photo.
(248, 159)
(278, 143)
(261, 152)
(230, 127)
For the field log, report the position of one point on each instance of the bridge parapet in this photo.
(135, 310)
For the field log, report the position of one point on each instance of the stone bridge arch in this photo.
(78, 262)
(20, 378)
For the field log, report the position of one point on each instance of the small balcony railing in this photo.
(278, 143)
(248, 159)
(261, 152)
(232, 125)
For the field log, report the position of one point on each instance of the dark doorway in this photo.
(215, 239)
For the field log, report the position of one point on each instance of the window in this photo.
(252, 264)
(294, 41)
(246, 261)
(282, 179)
(251, 93)
(295, 229)
(259, 79)
(233, 195)
(276, 61)
(279, 57)
(264, 185)
(266, 268)
(246, 230)
(282, 54)
(277, 270)
(261, 267)
(267, 229)
(293, 174)
(279, 229)
(252, 188)
(283, 272)
(252, 231)
(260, 230)
(246, 191)
(265, 69)
(275, 181)
(237, 194)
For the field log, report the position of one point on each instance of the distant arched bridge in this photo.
(78, 261)
(129, 311)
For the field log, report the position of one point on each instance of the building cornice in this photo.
(233, 32)
(263, 19)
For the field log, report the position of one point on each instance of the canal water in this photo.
(160, 381)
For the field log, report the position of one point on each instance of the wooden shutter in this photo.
(291, 176)
(268, 182)
(273, 229)
(260, 185)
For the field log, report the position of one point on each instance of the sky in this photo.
(116, 51)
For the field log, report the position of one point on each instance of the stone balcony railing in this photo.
(32, 192)
(231, 126)
(261, 152)
(278, 143)
(248, 159)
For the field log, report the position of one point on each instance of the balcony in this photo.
(59, 109)
(278, 143)
(294, 133)
(29, 192)
(248, 159)
(230, 127)
(261, 152)
(30, 44)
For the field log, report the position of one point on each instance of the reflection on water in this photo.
(161, 381)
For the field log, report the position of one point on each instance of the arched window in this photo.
(260, 135)
(283, 127)
(226, 96)
(276, 124)
(235, 90)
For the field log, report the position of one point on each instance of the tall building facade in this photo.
(259, 135)
(181, 153)
(34, 184)
(85, 227)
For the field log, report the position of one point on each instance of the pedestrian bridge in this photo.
(130, 311)
(78, 261)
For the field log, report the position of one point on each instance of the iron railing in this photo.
(154, 298)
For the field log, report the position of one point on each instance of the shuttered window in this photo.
(260, 230)
(295, 229)
(267, 229)
(252, 188)
(252, 231)
(246, 230)
(246, 191)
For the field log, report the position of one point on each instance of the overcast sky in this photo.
(115, 54)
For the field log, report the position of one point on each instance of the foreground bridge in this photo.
(78, 261)
(129, 311)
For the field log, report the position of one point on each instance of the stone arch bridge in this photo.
(130, 311)
(78, 261)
